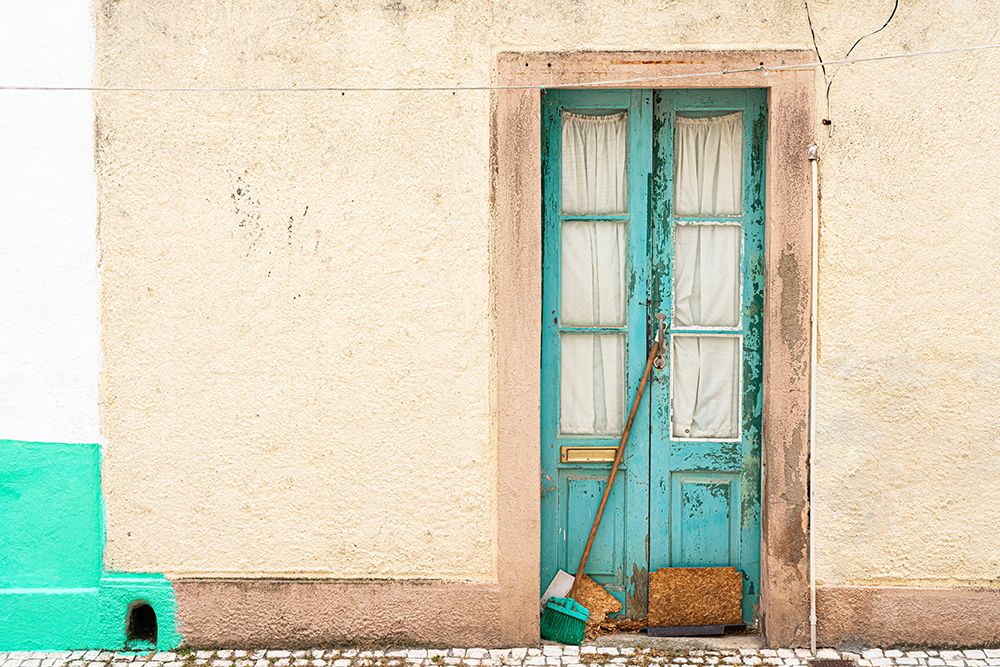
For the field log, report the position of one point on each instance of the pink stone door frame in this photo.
(516, 288)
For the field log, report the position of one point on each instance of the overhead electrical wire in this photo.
(763, 68)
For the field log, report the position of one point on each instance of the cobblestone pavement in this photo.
(543, 656)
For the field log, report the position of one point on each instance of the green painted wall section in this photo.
(53, 592)
(50, 509)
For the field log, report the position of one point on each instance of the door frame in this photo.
(516, 290)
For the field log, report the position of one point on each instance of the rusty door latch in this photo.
(660, 360)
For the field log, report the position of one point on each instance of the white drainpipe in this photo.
(814, 328)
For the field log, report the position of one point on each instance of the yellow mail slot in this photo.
(587, 454)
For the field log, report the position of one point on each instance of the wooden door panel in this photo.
(607, 554)
(705, 519)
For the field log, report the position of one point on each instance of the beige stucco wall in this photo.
(295, 286)
(907, 488)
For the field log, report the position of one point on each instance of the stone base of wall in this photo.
(902, 616)
(307, 613)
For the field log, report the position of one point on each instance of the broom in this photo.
(564, 620)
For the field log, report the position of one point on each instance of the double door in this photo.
(653, 203)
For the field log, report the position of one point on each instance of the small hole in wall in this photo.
(140, 625)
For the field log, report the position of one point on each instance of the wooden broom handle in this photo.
(619, 453)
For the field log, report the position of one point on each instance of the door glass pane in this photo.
(705, 380)
(592, 384)
(594, 165)
(709, 159)
(707, 275)
(593, 273)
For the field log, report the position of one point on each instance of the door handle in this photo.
(660, 360)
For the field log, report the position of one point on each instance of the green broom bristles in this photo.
(564, 620)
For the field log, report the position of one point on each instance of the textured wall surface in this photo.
(295, 293)
(906, 450)
(48, 275)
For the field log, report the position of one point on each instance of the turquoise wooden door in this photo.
(705, 476)
(653, 203)
(574, 336)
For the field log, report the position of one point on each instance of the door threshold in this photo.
(749, 638)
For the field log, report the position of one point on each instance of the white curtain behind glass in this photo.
(705, 369)
(594, 182)
(709, 165)
(705, 386)
(594, 169)
(593, 384)
(707, 275)
(593, 273)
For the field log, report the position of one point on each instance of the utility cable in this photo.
(765, 69)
